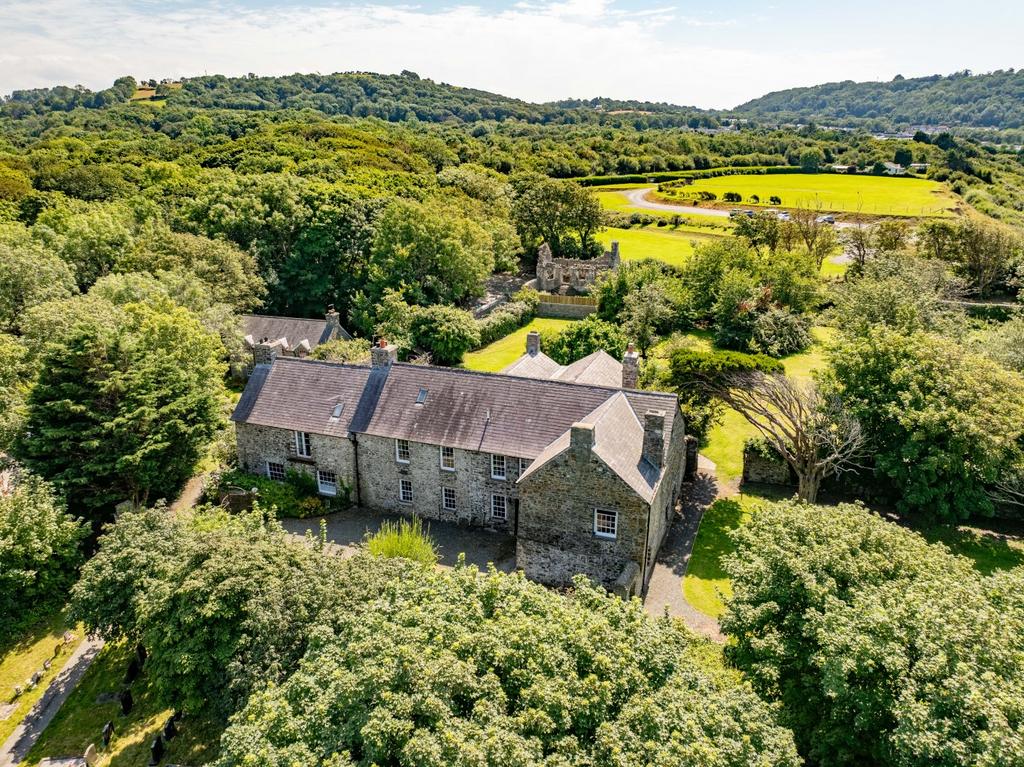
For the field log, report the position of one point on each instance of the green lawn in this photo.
(507, 350)
(662, 243)
(871, 195)
(80, 721)
(21, 659)
(725, 442)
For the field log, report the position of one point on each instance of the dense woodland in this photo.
(993, 100)
(133, 235)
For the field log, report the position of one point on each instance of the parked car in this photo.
(735, 212)
(784, 216)
(829, 219)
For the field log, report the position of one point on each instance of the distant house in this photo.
(290, 336)
(599, 368)
(841, 168)
(583, 477)
(919, 167)
(893, 169)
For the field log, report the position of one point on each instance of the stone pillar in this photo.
(581, 440)
(613, 257)
(654, 437)
(630, 368)
(533, 343)
(264, 353)
(383, 354)
(691, 458)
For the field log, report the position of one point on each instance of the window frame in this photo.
(504, 507)
(320, 482)
(402, 483)
(524, 464)
(440, 454)
(614, 534)
(303, 444)
(445, 491)
(398, 451)
(504, 467)
(270, 472)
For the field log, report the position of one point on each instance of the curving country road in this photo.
(638, 199)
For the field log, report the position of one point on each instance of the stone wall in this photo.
(669, 492)
(565, 311)
(380, 473)
(767, 470)
(572, 274)
(259, 444)
(556, 538)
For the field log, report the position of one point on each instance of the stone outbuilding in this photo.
(572, 275)
(585, 477)
(289, 336)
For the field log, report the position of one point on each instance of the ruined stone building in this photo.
(290, 336)
(584, 476)
(572, 275)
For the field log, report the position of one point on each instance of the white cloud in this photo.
(537, 51)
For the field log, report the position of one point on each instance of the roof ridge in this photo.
(283, 317)
(489, 374)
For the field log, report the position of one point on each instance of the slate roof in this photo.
(598, 368)
(485, 412)
(293, 330)
(301, 395)
(618, 441)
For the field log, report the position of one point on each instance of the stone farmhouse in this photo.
(598, 368)
(290, 336)
(576, 275)
(584, 476)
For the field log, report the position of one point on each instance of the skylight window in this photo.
(336, 413)
(421, 397)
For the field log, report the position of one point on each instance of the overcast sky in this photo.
(707, 54)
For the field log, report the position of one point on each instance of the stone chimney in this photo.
(333, 322)
(613, 256)
(264, 353)
(630, 367)
(581, 440)
(654, 438)
(383, 354)
(533, 343)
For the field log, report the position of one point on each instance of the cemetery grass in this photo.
(871, 195)
(24, 656)
(507, 350)
(81, 719)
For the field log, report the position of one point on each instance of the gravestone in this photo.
(169, 730)
(91, 756)
(156, 751)
(108, 733)
(126, 702)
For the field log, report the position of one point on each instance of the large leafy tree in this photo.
(30, 274)
(880, 648)
(124, 405)
(15, 375)
(579, 339)
(39, 553)
(941, 423)
(561, 213)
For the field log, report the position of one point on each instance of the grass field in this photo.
(662, 243)
(21, 659)
(871, 195)
(507, 350)
(80, 721)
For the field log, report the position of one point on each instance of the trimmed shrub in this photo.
(297, 497)
(505, 320)
(446, 333)
(582, 338)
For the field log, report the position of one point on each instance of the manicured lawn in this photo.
(871, 195)
(80, 721)
(662, 243)
(507, 350)
(21, 659)
(988, 553)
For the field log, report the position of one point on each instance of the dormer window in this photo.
(421, 397)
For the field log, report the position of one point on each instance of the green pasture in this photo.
(507, 350)
(663, 243)
(870, 195)
(614, 199)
